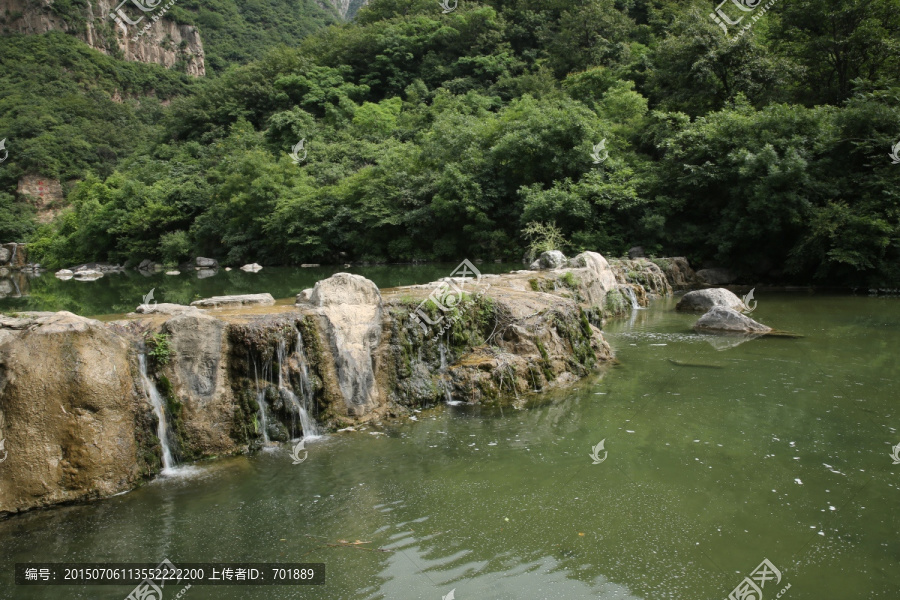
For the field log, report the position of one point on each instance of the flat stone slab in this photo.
(233, 301)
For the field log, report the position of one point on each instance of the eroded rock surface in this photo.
(235, 301)
(703, 300)
(69, 406)
(232, 380)
(350, 310)
(721, 318)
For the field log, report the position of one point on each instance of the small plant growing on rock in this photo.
(569, 280)
(158, 348)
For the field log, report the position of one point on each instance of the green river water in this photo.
(773, 449)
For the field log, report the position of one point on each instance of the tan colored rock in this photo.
(349, 308)
(198, 373)
(235, 301)
(44, 193)
(69, 406)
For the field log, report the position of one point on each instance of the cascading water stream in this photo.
(302, 406)
(442, 381)
(162, 430)
(12, 259)
(629, 292)
(261, 401)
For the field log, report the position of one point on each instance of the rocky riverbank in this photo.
(80, 400)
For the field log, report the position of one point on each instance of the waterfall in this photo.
(261, 400)
(162, 431)
(12, 259)
(302, 406)
(630, 294)
(442, 381)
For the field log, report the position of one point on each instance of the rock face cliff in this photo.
(165, 42)
(347, 8)
(80, 421)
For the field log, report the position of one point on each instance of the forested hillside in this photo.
(431, 135)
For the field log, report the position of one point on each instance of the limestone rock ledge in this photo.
(232, 377)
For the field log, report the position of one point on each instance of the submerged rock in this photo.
(235, 301)
(721, 318)
(64, 274)
(703, 300)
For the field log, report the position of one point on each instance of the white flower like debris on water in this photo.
(595, 455)
(298, 448)
(894, 455)
(449, 596)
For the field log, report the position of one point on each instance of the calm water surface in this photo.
(117, 293)
(717, 459)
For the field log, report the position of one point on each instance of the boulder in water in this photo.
(206, 263)
(64, 274)
(251, 268)
(721, 318)
(703, 300)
